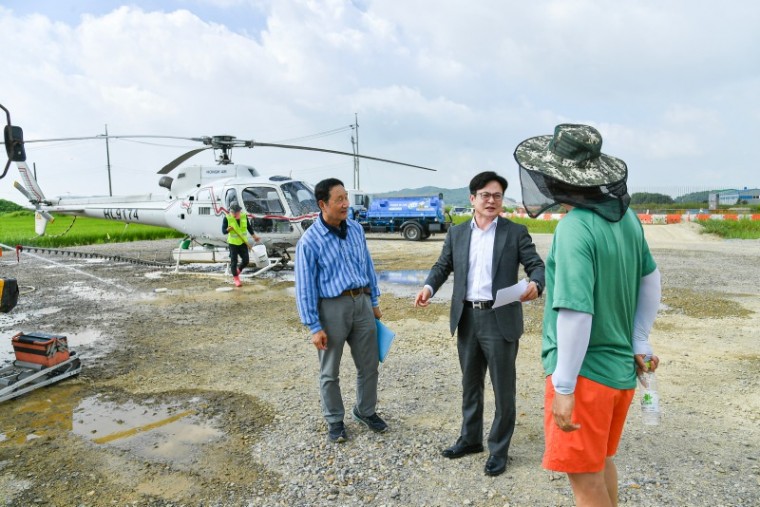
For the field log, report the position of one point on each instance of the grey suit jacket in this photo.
(512, 247)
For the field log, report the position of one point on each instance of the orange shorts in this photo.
(601, 412)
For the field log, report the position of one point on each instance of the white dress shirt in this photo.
(480, 275)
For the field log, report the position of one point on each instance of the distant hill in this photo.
(451, 196)
(9, 206)
(696, 196)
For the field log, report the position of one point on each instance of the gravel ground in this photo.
(247, 391)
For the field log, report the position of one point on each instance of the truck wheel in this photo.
(426, 234)
(412, 232)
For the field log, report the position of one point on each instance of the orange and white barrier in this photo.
(655, 218)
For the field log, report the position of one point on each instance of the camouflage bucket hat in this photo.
(570, 168)
(573, 155)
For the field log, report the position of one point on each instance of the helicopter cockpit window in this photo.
(300, 198)
(262, 201)
(268, 210)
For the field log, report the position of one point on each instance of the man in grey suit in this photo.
(485, 254)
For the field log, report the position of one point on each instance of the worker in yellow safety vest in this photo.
(237, 227)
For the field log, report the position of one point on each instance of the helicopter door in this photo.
(265, 204)
(230, 198)
(204, 217)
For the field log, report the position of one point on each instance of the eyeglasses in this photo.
(488, 195)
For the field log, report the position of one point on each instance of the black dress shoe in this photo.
(461, 449)
(496, 465)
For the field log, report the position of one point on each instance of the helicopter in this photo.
(195, 199)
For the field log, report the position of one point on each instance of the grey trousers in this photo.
(350, 320)
(481, 346)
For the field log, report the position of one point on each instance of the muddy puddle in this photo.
(163, 449)
(9, 321)
(153, 431)
(106, 289)
(406, 283)
(81, 338)
(179, 429)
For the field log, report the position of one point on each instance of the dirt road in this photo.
(179, 405)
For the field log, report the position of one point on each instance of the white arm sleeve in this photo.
(573, 334)
(650, 293)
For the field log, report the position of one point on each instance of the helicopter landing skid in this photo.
(21, 377)
(274, 264)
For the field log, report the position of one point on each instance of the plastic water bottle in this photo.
(650, 400)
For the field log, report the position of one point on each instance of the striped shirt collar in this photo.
(340, 231)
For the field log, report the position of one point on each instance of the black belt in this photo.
(480, 305)
(356, 292)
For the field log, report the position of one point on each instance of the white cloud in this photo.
(399, 100)
(670, 85)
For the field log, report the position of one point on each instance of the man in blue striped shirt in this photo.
(337, 299)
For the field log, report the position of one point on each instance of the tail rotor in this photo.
(32, 191)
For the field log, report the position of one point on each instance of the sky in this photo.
(673, 86)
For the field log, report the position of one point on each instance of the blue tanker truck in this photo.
(415, 218)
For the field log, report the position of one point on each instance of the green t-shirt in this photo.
(595, 266)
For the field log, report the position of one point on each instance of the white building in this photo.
(734, 197)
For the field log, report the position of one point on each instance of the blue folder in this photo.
(384, 339)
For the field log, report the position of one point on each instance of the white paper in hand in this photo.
(510, 294)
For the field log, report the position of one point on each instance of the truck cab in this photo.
(359, 203)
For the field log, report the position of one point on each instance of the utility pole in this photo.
(355, 147)
(108, 162)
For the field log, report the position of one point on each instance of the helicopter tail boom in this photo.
(147, 209)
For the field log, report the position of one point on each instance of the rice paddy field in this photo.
(17, 228)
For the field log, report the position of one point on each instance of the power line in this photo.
(325, 133)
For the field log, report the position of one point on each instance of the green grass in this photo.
(537, 226)
(534, 226)
(17, 228)
(732, 229)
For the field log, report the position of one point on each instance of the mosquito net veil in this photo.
(540, 192)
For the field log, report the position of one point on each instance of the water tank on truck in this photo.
(416, 218)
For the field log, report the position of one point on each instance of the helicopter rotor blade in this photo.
(24, 191)
(225, 142)
(294, 147)
(47, 216)
(104, 136)
(85, 138)
(177, 161)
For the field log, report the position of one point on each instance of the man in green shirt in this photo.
(602, 295)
